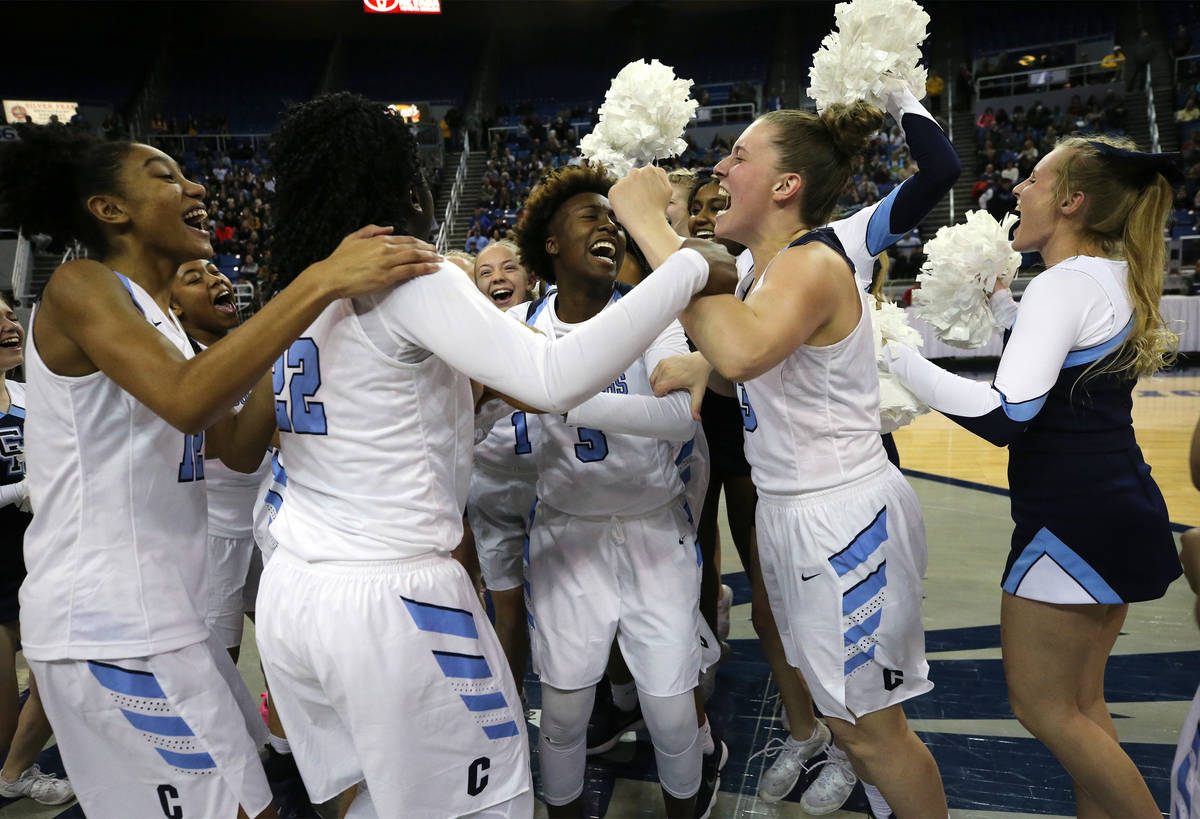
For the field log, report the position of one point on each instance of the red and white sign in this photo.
(403, 6)
(38, 111)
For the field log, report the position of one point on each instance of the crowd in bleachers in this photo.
(1008, 145)
(517, 158)
(240, 191)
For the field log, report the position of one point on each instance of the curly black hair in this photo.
(340, 162)
(46, 178)
(556, 187)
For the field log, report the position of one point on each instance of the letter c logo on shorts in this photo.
(171, 811)
(477, 778)
(892, 679)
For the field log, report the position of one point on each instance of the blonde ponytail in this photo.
(1125, 213)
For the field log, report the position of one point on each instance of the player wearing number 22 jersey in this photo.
(406, 688)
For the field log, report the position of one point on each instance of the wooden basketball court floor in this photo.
(990, 766)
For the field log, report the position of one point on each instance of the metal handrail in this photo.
(460, 177)
(1002, 80)
(21, 267)
(1152, 115)
(950, 128)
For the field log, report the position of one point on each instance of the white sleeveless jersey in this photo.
(231, 494)
(375, 411)
(812, 421)
(116, 551)
(508, 447)
(583, 471)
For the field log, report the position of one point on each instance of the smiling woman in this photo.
(118, 408)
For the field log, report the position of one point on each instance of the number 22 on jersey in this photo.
(295, 378)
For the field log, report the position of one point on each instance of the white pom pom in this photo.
(642, 119)
(897, 404)
(956, 282)
(874, 52)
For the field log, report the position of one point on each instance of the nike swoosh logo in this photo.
(157, 323)
(809, 576)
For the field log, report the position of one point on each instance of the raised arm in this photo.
(88, 318)
(446, 315)
(868, 232)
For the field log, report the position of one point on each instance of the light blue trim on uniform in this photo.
(441, 619)
(484, 702)
(856, 597)
(188, 762)
(274, 500)
(1045, 543)
(163, 726)
(1022, 411)
(530, 319)
(864, 629)
(879, 226)
(685, 475)
(277, 470)
(858, 660)
(129, 287)
(129, 683)
(1181, 777)
(862, 547)
(501, 731)
(1185, 768)
(16, 412)
(1089, 354)
(463, 666)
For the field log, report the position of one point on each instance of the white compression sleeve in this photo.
(668, 418)
(445, 314)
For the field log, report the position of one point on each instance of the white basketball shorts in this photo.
(229, 565)
(637, 578)
(174, 735)
(390, 672)
(498, 511)
(843, 568)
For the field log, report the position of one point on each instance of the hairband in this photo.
(1166, 164)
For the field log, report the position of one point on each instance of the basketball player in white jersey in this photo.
(504, 475)
(841, 542)
(151, 715)
(406, 691)
(612, 547)
(863, 235)
(202, 300)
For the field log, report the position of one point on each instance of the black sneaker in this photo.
(608, 722)
(710, 779)
(287, 787)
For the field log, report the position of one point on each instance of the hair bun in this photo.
(851, 125)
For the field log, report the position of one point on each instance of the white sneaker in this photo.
(40, 787)
(777, 781)
(724, 602)
(832, 787)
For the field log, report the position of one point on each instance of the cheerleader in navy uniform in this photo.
(1092, 533)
